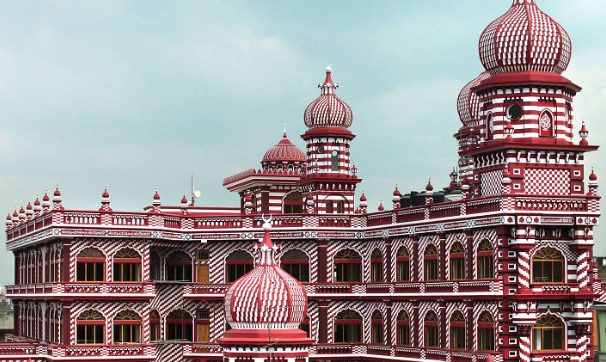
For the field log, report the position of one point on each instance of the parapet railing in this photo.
(187, 221)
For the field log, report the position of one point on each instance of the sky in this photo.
(138, 94)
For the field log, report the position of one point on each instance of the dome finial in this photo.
(284, 136)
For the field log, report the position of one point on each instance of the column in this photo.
(415, 328)
(469, 327)
(443, 327)
(322, 260)
(323, 317)
(442, 257)
(469, 257)
(389, 323)
(389, 277)
(65, 267)
(414, 261)
(65, 323)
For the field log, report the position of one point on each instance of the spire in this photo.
(267, 247)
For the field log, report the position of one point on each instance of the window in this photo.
(179, 326)
(431, 263)
(546, 124)
(547, 266)
(403, 329)
(127, 266)
(293, 203)
(90, 328)
(178, 267)
(486, 332)
(304, 326)
(377, 327)
(296, 263)
(127, 328)
(334, 160)
(348, 327)
(329, 208)
(514, 111)
(431, 330)
(548, 334)
(202, 275)
(154, 325)
(340, 207)
(202, 325)
(90, 266)
(485, 260)
(457, 331)
(376, 261)
(238, 264)
(348, 267)
(403, 265)
(489, 126)
(457, 262)
(154, 266)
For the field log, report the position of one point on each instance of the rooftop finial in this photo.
(328, 68)
(284, 130)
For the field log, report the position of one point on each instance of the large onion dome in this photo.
(525, 39)
(284, 151)
(266, 299)
(328, 110)
(468, 103)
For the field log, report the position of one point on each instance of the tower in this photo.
(264, 309)
(329, 179)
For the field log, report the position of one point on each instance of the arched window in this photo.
(431, 329)
(90, 328)
(329, 207)
(154, 325)
(403, 329)
(376, 271)
(296, 263)
(304, 326)
(486, 332)
(179, 326)
(127, 328)
(548, 266)
(457, 331)
(548, 334)
(348, 327)
(546, 124)
(154, 266)
(178, 267)
(202, 325)
(340, 207)
(348, 267)
(489, 126)
(238, 264)
(457, 262)
(485, 260)
(293, 203)
(377, 327)
(90, 266)
(334, 160)
(431, 263)
(127, 266)
(403, 265)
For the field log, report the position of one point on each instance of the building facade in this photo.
(497, 266)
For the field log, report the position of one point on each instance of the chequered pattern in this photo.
(547, 182)
(468, 102)
(328, 110)
(284, 151)
(492, 183)
(524, 39)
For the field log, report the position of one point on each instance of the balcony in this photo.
(101, 290)
(136, 352)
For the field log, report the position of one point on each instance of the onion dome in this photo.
(584, 133)
(265, 298)
(381, 207)
(397, 192)
(468, 102)
(328, 110)
(156, 196)
(46, 198)
(429, 186)
(105, 194)
(284, 151)
(15, 216)
(184, 202)
(29, 210)
(363, 197)
(57, 192)
(525, 39)
(9, 220)
(593, 176)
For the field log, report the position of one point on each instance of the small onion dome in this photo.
(265, 298)
(184, 200)
(37, 202)
(29, 210)
(284, 151)
(593, 176)
(57, 192)
(328, 110)
(9, 220)
(583, 133)
(468, 103)
(381, 207)
(15, 214)
(429, 186)
(46, 198)
(105, 194)
(397, 192)
(525, 39)
(363, 197)
(156, 196)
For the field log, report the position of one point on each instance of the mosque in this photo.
(496, 266)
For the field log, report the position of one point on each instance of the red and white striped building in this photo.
(497, 266)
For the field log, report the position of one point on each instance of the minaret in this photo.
(330, 177)
(264, 309)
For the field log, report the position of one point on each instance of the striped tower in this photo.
(329, 177)
(264, 309)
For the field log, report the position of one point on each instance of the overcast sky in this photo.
(138, 94)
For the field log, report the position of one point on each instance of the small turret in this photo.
(583, 133)
(37, 206)
(593, 184)
(363, 203)
(156, 204)
(396, 198)
(57, 200)
(184, 204)
(45, 202)
(9, 221)
(381, 207)
(22, 214)
(29, 211)
(15, 217)
(429, 193)
(105, 201)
